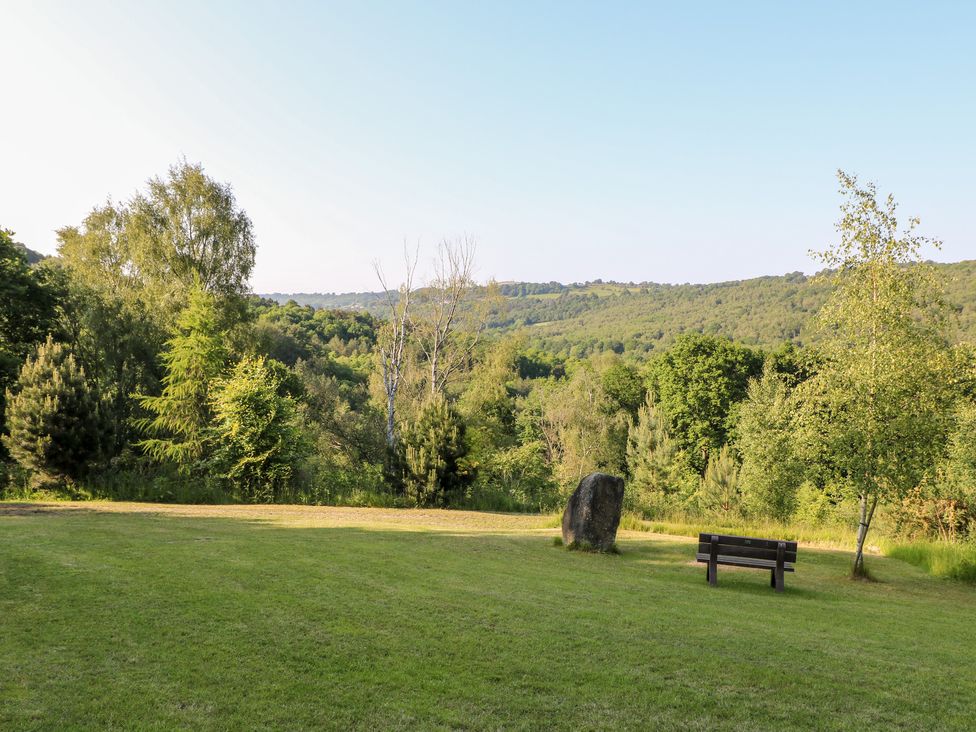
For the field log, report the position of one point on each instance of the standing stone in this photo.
(593, 512)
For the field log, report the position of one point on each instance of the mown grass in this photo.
(161, 621)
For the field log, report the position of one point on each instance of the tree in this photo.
(699, 381)
(652, 458)
(392, 341)
(450, 325)
(946, 504)
(772, 471)
(509, 475)
(130, 269)
(338, 409)
(117, 343)
(115, 327)
(488, 401)
(878, 406)
(434, 449)
(623, 385)
(578, 424)
(29, 301)
(186, 230)
(193, 359)
(53, 416)
(99, 253)
(720, 487)
(258, 441)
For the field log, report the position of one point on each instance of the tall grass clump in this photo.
(952, 561)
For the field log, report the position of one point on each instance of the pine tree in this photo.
(651, 457)
(193, 359)
(259, 442)
(720, 488)
(771, 469)
(29, 298)
(53, 416)
(433, 454)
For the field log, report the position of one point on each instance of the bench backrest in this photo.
(746, 547)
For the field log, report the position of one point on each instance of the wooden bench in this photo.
(743, 551)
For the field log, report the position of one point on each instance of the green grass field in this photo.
(128, 616)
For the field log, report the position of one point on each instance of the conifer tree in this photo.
(193, 359)
(258, 440)
(771, 469)
(28, 306)
(651, 457)
(433, 454)
(53, 416)
(720, 487)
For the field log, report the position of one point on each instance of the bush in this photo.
(327, 482)
(132, 477)
(813, 505)
(514, 479)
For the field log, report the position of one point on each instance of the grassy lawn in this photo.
(137, 617)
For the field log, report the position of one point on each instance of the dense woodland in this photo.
(136, 364)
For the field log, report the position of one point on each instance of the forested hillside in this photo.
(636, 319)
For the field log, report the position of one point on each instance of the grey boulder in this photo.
(592, 515)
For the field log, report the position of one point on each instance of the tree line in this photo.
(137, 365)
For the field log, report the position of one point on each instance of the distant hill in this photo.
(636, 319)
(32, 256)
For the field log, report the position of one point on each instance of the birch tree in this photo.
(392, 342)
(451, 320)
(879, 405)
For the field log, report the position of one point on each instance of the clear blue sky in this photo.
(682, 142)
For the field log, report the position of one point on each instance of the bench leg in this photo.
(778, 572)
(713, 563)
(710, 575)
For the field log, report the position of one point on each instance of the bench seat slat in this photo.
(745, 562)
(706, 538)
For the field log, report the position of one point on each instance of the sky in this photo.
(680, 142)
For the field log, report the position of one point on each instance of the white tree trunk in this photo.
(867, 513)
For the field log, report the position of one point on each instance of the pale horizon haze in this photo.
(692, 142)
